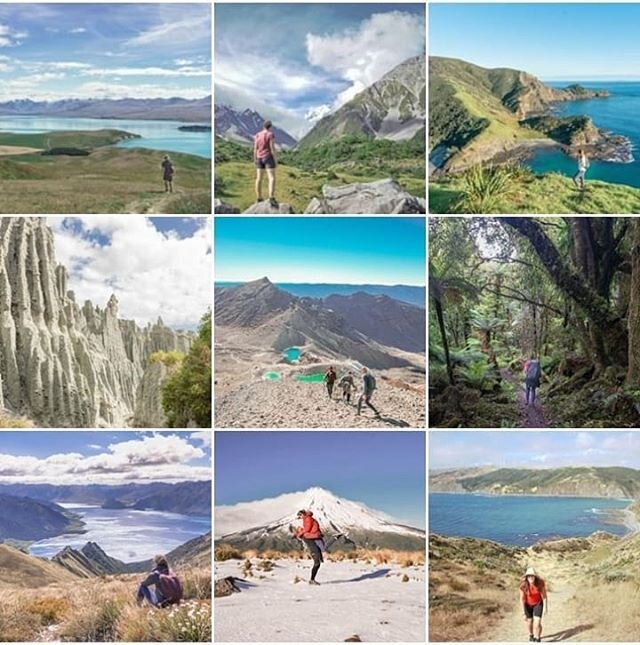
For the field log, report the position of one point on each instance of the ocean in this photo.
(128, 535)
(156, 135)
(618, 113)
(522, 520)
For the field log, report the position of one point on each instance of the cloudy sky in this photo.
(59, 51)
(293, 63)
(533, 449)
(58, 457)
(154, 266)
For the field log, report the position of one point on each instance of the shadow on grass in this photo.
(566, 634)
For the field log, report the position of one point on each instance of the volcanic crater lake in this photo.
(126, 534)
(156, 135)
(617, 114)
(525, 520)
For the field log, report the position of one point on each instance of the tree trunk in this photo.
(445, 343)
(633, 315)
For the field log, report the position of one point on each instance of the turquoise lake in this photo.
(293, 353)
(618, 113)
(520, 520)
(156, 135)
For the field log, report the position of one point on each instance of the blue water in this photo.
(619, 114)
(128, 535)
(156, 135)
(520, 520)
(293, 353)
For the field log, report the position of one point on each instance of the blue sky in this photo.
(385, 470)
(456, 449)
(294, 63)
(150, 50)
(342, 250)
(555, 41)
(73, 457)
(157, 266)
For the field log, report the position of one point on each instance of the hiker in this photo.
(583, 164)
(348, 385)
(167, 174)
(368, 388)
(264, 156)
(330, 379)
(311, 535)
(532, 374)
(534, 601)
(168, 588)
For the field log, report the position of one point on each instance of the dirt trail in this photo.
(150, 205)
(531, 416)
(565, 620)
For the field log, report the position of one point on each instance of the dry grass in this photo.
(8, 421)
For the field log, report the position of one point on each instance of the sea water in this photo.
(522, 520)
(126, 534)
(156, 135)
(618, 114)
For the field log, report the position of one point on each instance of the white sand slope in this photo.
(353, 598)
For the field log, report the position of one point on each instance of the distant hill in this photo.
(23, 570)
(23, 518)
(404, 293)
(172, 109)
(392, 108)
(242, 126)
(575, 482)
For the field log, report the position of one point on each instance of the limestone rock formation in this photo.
(148, 412)
(62, 364)
(383, 197)
(265, 208)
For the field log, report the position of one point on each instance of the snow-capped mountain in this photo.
(242, 126)
(265, 524)
(392, 108)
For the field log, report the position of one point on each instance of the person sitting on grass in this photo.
(534, 601)
(168, 588)
(167, 174)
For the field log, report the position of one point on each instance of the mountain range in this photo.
(173, 109)
(359, 327)
(266, 524)
(586, 481)
(242, 125)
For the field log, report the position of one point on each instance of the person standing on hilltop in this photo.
(311, 535)
(264, 156)
(330, 380)
(368, 388)
(167, 174)
(534, 601)
(532, 374)
(583, 164)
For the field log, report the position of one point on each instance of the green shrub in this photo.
(483, 187)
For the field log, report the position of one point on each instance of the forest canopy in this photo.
(564, 291)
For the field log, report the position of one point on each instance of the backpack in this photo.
(533, 371)
(372, 381)
(170, 588)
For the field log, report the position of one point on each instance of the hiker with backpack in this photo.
(368, 388)
(167, 174)
(534, 601)
(311, 535)
(168, 588)
(348, 385)
(532, 375)
(330, 380)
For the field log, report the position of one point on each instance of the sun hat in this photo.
(530, 572)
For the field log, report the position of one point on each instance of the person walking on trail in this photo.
(583, 164)
(532, 374)
(534, 601)
(264, 157)
(311, 535)
(330, 380)
(347, 384)
(167, 586)
(368, 388)
(167, 174)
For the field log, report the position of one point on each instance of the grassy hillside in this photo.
(86, 139)
(525, 192)
(109, 180)
(302, 173)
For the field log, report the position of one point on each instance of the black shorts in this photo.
(267, 162)
(533, 610)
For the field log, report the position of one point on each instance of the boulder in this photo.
(266, 208)
(222, 208)
(383, 197)
(226, 587)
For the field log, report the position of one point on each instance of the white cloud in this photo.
(150, 272)
(175, 33)
(78, 30)
(204, 436)
(362, 56)
(161, 457)
(146, 71)
(10, 37)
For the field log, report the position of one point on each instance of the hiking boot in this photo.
(273, 202)
(532, 638)
(313, 582)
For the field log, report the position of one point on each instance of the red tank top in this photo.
(532, 595)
